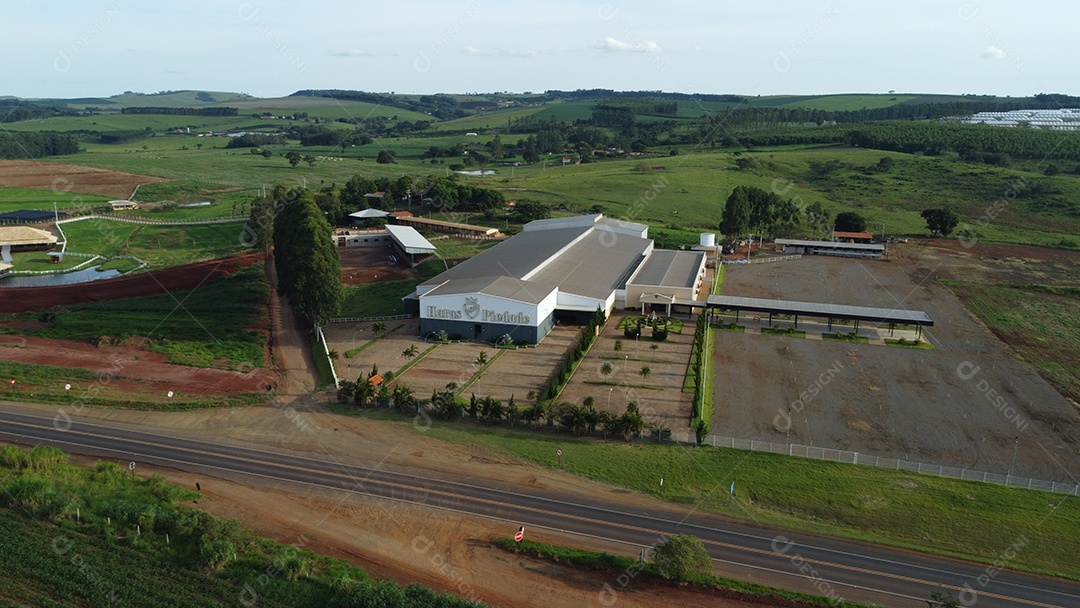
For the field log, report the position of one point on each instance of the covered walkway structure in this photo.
(831, 312)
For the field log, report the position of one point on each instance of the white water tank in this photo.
(708, 239)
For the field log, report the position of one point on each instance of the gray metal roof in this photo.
(369, 213)
(666, 268)
(832, 244)
(530, 292)
(410, 240)
(814, 309)
(596, 265)
(514, 257)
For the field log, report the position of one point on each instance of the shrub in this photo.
(682, 558)
(12, 457)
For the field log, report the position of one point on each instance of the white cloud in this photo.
(620, 46)
(353, 53)
(472, 51)
(993, 52)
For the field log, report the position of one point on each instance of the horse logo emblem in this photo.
(472, 308)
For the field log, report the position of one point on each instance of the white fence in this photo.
(91, 258)
(131, 219)
(367, 319)
(326, 349)
(896, 464)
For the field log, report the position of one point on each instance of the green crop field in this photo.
(847, 102)
(14, 199)
(488, 120)
(1041, 323)
(102, 537)
(863, 503)
(322, 107)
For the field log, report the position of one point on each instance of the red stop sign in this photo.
(520, 534)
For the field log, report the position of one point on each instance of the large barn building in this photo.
(557, 270)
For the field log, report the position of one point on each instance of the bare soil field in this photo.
(968, 403)
(189, 276)
(517, 372)
(385, 353)
(362, 265)
(448, 363)
(130, 369)
(659, 396)
(71, 178)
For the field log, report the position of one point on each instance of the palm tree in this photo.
(645, 372)
(482, 359)
(403, 398)
(364, 392)
(606, 368)
(332, 354)
(378, 327)
(618, 345)
(410, 352)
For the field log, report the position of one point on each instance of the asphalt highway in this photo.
(819, 565)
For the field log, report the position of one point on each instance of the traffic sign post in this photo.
(131, 467)
(558, 452)
(520, 534)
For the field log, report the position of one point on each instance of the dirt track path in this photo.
(289, 348)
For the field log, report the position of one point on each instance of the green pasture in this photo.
(158, 246)
(212, 326)
(1041, 323)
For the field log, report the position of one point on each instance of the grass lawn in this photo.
(39, 260)
(1041, 323)
(14, 199)
(216, 323)
(158, 246)
(377, 299)
(323, 372)
(939, 515)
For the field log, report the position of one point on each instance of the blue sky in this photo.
(272, 48)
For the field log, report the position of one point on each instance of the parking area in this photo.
(967, 403)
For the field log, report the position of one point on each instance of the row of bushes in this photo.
(566, 368)
(700, 415)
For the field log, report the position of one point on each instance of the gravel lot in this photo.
(966, 403)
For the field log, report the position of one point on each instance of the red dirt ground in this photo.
(151, 369)
(362, 265)
(71, 178)
(1001, 251)
(190, 276)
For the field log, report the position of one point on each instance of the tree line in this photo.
(215, 111)
(975, 142)
(290, 223)
(36, 144)
(18, 110)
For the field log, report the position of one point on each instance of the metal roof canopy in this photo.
(815, 309)
(410, 240)
(831, 244)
